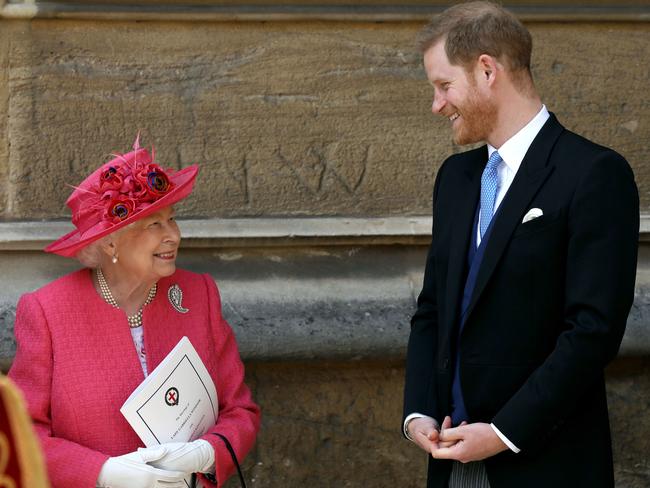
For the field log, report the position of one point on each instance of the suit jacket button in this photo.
(445, 364)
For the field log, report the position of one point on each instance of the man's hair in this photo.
(474, 28)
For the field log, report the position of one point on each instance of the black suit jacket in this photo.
(547, 313)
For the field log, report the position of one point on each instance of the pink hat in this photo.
(120, 192)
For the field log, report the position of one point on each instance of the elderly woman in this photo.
(88, 339)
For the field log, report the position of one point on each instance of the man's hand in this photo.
(471, 442)
(425, 433)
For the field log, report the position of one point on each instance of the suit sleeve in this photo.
(603, 229)
(423, 339)
(68, 463)
(239, 416)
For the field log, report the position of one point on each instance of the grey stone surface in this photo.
(628, 396)
(7, 340)
(351, 329)
(249, 232)
(637, 334)
(299, 303)
(5, 35)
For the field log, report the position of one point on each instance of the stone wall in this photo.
(285, 119)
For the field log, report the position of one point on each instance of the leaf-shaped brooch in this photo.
(175, 295)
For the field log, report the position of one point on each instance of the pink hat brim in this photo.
(71, 243)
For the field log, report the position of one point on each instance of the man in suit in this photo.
(529, 277)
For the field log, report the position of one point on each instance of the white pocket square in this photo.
(533, 213)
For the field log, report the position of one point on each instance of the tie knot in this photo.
(494, 160)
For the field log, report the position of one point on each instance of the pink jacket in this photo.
(76, 365)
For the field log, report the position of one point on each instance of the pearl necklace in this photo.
(134, 320)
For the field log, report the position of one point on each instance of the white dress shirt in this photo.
(512, 153)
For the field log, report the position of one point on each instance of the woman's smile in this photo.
(167, 256)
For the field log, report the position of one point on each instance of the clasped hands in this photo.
(465, 443)
(165, 466)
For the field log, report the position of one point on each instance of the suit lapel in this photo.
(465, 203)
(532, 173)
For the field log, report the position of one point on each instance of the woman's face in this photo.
(147, 250)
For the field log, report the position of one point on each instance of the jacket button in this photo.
(445, 364)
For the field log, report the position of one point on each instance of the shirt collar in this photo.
(514, 149)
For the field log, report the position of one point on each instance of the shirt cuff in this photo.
(411, 417)
(505, 440)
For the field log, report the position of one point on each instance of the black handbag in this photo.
(234, 458)
(211, 477)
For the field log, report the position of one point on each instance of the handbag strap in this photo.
(233, 456)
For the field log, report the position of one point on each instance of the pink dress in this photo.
(76, 365)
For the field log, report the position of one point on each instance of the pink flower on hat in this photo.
(153, 180)
(119, 208)
(111, 179)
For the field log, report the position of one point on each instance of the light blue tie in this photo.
(489, 189)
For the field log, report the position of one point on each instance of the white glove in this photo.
(132, 471)
(188, 457)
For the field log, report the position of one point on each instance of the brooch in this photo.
(175, 295)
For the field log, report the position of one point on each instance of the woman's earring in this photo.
(114, 259)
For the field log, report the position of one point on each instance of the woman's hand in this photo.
(132, 471)
(188, 457)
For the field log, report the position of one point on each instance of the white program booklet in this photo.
(177, 402)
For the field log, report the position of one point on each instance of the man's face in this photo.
(459, 97)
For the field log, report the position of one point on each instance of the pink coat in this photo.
(76, 365)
